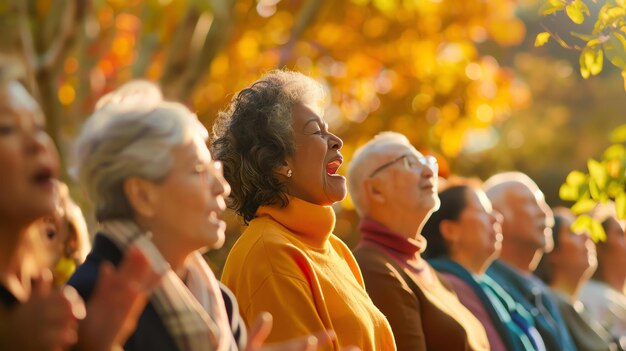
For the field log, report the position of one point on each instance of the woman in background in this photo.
(566, 269)
(65, 235)
(464, 237)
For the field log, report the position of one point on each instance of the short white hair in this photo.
(360, 166)
(131, 133)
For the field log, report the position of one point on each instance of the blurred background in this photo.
(461, 78)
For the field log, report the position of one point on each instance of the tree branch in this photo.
(216, 38)
(306, 15)
(75, 14)
(178, 56)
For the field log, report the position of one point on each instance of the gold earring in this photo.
(289, 173)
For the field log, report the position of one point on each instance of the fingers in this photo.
(325, 337)
(77, 304)
(260, 331)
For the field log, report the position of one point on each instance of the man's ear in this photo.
(142, 196)
(373, 190)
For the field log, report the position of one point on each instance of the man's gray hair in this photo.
(131, 133)
(360, 166)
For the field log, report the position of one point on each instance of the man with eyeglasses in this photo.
(394, 190)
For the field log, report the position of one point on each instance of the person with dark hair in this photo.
(565, 269)
(394, 190)
(603, 295)
(464, 237)
(281, 161)
(35, 315)
(527, 235)
(146, 165)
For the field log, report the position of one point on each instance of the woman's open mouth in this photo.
(333, 166)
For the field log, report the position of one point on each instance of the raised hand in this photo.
(47, 321)
(118, 300)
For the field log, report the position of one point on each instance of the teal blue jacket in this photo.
(535, 297)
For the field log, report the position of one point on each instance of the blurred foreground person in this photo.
(603, 295)
(394, 190)
(146, 167)
(282, 161)
(464, 237)
(34, 315)
(527, 235)
(565, 269)
(65, 235)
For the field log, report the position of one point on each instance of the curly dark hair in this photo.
(254, 136)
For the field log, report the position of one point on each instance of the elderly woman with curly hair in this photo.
(281, 161)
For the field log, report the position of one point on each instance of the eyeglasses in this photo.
(411, 162)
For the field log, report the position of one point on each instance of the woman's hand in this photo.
(263, 326)
(118, 300)
(47, 321)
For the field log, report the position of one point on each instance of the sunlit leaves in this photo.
(542, 38)
(586, 223)
(615, 49)
(576, 11)
(605, 180)
(591, 60)
(618, 135)
(552, 6)
(606, 40)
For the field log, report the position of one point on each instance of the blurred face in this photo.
(190, 200)
(316, 159)
(576, 253)
(406, 180)
(28, 158)
(480, 231)
(529, 219)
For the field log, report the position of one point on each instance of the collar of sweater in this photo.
(399, 246)
(312, 223)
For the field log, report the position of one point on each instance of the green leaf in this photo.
(615, 49)
(542, 38)
(568, 192)
(594, 190)
(582, 60)
(617, 151)
(576, 178)
(620, 205)
(551, 6)
(576, 10)
(597, 172)
(582, 223)
(618, 135)
(583, 205)
(595, 66)
(597, 231)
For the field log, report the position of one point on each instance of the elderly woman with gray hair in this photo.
(282, 162)
(145, 165)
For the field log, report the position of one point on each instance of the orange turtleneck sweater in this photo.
(289, 263)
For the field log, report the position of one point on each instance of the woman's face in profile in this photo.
(28, 158)
(191, 198)
(316, 159)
